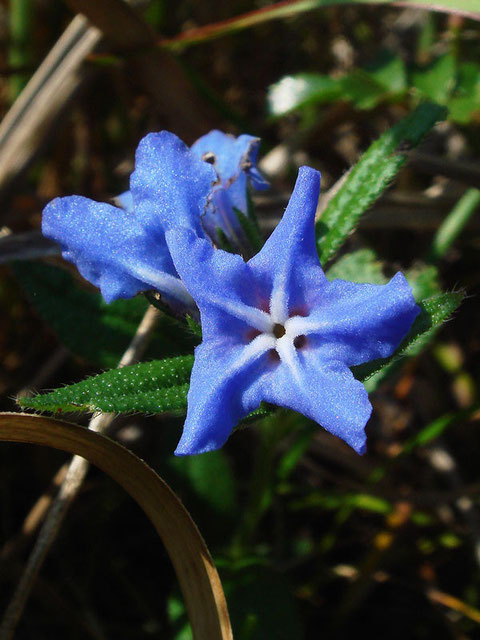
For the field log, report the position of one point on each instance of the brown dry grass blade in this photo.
(193, 564)
(36, 111)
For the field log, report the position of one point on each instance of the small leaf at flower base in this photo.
(86, 324)
(150, 387)
(361, 266)
(222, 241)
(370, 177)
(434, 311)
(250, 229)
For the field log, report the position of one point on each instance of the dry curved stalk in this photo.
(198, 577)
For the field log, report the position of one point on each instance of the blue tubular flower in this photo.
(123, 251)
(234, 160)
(275, 330)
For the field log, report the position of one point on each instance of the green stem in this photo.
(453, 224)
(19, 54)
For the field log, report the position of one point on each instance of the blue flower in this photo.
(123, 250)
(234, 160)
(276, 330)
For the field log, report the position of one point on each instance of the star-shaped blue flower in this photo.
(123, 250)
(276, 330)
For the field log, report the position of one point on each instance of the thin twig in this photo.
(28, 245)
(75, 474)
(461, 170)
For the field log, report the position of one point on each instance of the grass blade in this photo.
(454, 223)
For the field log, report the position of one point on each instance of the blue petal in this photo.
(355, 323)
(222, 284)
(234, 160)
(125, 201)
(223, 389)
(232, 157)
(288, 263)
(325, 392)
(111, 249)
(170, 185)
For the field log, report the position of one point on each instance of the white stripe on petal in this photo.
(261, 344)
(251, 315)
(164, 283)
(300, 326)
(288, 355)
(279, 300)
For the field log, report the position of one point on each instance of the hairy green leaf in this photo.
(370, 177)
(149, 387)
(359, 266)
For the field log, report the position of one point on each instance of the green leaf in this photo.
(250, 229)
(362, 89)
(335, 501)
(149, 387)
(436, 80)
(211, 479)
(300, 90)
(86, 324)
(454, 223)
(360, 266)
(370, 177)
(435, 429)
(434, 312)
(223, 241)
(424, 281)
(390, 71)
(465, 103)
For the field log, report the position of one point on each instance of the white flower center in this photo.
(285, 338)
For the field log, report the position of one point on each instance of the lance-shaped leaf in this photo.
(359, 266)
(370, 177)
(149, 387)
(86, 324)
